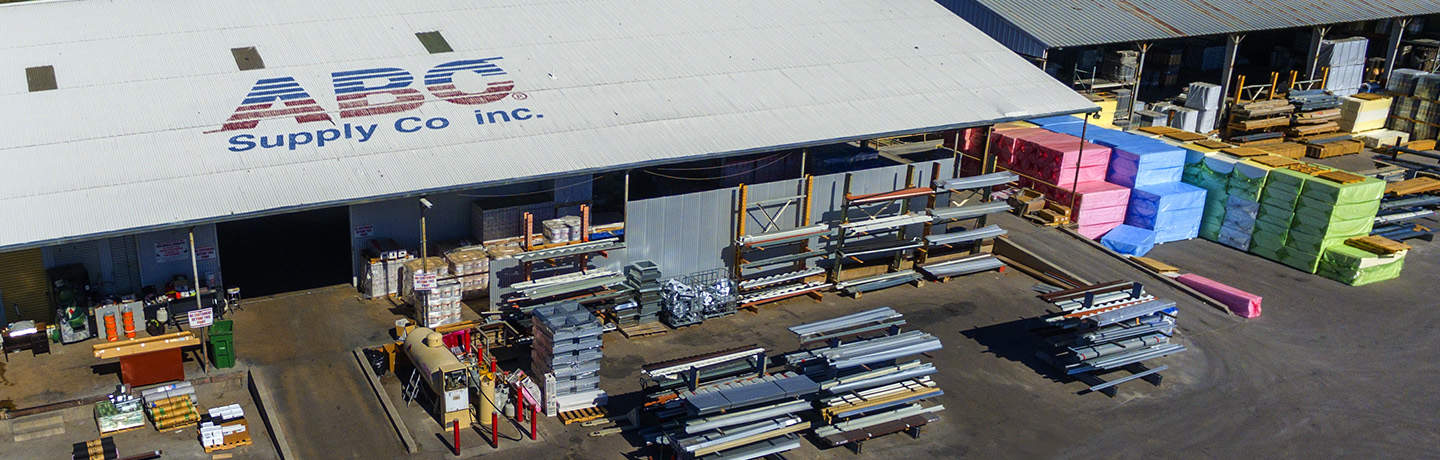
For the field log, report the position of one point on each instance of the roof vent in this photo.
(434, 42)
(40, 78)
(247, 58)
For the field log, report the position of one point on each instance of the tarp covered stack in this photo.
(1242, 202)
(1326, 214)
(1277, 209)
(1206, 168)
(1172, 210)
(1346, 59)
(1354, 266)
(1056, 159)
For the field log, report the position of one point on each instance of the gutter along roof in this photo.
(153, 126)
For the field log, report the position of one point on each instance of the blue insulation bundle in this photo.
(1172, 210)
(1047, 122)
(1138, 161)
(1128, 240)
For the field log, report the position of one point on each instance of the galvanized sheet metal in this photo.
(122, 145)
(1030, 27)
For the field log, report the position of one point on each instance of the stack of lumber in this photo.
(1332, 146)
(1248, 119)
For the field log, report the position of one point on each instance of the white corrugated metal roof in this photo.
(129, 140)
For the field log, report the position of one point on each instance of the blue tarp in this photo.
(1139, 161)
(1128, 240)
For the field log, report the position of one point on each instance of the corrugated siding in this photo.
(1080, 23)
(996, 27)
(23, 286)
(144, 85)
(683, 234)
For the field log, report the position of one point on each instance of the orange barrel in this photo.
(128, 318)
(110, 328)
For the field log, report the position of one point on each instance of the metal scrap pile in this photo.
(697, 297)
(1109, 326)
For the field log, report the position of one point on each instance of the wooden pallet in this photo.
(582, 415)
(1334, 148)
(1306, 168)
(1185, 136)
(1158, 130)
(1211, 144)
(1413, 186)
(1286, 149)
(643, 330)
(1273, 161)
(124, 430)
(232, 441)
(1155, 265)
(1341, 177)
(1378, 244)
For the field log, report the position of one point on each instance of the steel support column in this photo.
(1227, 74)
(1392, 48)
(1135, 90)
(1317, 34)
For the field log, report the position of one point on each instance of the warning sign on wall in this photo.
(205, 253)
(170, 251)
(364, 231)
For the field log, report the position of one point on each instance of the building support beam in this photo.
(1227, 75)
(1135, 90)
(1317, 35)
(1392, 48)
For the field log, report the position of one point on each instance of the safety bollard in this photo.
(520, 405)
(456, 424)
(495, 429)
(532, 422)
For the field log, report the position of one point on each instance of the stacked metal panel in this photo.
(567, 352)
(1107, 327)
(1346, 59)
(643, 278)
(744, 419)
(867, 390)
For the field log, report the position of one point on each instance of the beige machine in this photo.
(444, 374)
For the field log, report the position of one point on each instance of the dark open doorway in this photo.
(288, 252)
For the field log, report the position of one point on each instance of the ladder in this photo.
(412, 389)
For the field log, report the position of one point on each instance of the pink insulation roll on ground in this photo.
(1242, 303)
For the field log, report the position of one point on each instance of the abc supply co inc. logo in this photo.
(366, 93)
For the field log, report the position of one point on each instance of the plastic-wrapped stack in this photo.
(1099, 205)
(1354, 266)
(1363, 112)
(1204, 98)
(410, 268)
(439, 306)
(1208, 169)
(1416, 107)
(1129, 240)
(556, 231)
(1057, 159)
(1277, 209)
(567, 351)
(221, 422)
(1326, 214)
(1346, 59)
(471, 266)
(381, 274)
(1136, 161)
(1172, 210)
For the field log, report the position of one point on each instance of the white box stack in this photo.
(555, 230)
(471, 267)
(382, 277)
(1346, 59)
(439, 306)
(410, 268)
(218, 424)
(567, 350)
(1204, 98)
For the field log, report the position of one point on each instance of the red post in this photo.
(495, 429)
(456, 424)
(532, 422)
(520, 404)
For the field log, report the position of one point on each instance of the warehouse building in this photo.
(282, 135)
(1181, 42)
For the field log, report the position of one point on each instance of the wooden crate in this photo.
(1334, 148)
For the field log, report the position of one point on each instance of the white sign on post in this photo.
(201, 318)
(425, 281)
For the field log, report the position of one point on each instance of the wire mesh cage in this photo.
(696, 297)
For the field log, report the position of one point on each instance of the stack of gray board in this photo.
(1109, 326)
(742, 420)
(861, 365)
(566, 353)
(1346, 59)
(642, 277)
(1204, 98)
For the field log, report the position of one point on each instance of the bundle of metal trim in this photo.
(862, 428)
(695, 371)
(765, 281)
(758, 450)
(781, 292)
(879, 246)
(969, 211)
(858, 353)
(877, 282)
(738, 419)
(751, 394)
(878, 376)
(981, 233)
(861, 227)
(878, 398)
(570, 250)
(785, 236)
(814, 330)
(958, 267)
(1111, 326)
(974, 182)
(568, 283)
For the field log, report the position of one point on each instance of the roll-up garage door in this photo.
(22, 285)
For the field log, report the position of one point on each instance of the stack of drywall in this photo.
(1172, 210)
(1099, 205)
(1354, 266)
(1277, 209)
(1346, 59)
(1416, 107)
(1377, 138)
(1205, 99)
(567, 351)
(1363, 112)
(471, 267)
(1326, 214)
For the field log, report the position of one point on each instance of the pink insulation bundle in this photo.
(1240, 302)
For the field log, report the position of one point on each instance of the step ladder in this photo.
(412, 389)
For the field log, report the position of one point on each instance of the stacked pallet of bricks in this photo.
(223, 428)
(470, 267)
(750, 417)
(866, 389)
(1346, 59)
(643, 278)
(1332, 207)
(1098, 206)
(1416, 106)
(381, 275)
(1107, 327)
(1362, 261)
(567, 352)
(1257, 123)
(171, 407)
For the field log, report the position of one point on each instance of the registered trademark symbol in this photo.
(520, 96)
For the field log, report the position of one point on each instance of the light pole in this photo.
(425, 205)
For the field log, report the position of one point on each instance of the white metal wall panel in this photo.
(144, 85)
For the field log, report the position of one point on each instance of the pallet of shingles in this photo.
(867, 393)
(1106, 327)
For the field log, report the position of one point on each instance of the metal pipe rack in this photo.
(793, 244)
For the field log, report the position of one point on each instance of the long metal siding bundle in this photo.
(974, 182)
(962, 266)
(990, 231)
(867, 316)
